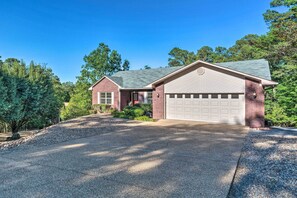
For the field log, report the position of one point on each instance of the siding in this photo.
(212, 81)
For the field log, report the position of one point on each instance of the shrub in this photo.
(138, 112)
(102, 108)
(144, 118)
(146, 107)
(278, 117)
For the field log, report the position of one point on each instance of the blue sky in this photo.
(60, 33)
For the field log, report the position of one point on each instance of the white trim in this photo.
(145, 97)
(98, 97)
(132, 89)
(264, 81)
(112, 98)
(120, 103)
(91, 88)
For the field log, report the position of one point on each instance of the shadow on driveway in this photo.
(98, 156)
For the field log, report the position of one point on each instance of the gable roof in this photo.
(137, 79)
(258, 68)
(140, 79)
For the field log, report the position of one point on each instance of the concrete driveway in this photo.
(97, 156)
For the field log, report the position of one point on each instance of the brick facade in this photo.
(158, 102)
(106, 85)
(254, 105)
(125, 98)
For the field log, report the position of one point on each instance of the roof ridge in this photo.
(261, 59)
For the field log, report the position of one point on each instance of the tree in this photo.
(180, 57)
(147, 67)
(26, 95)
(247, 48)
(101, 61)
(205, 53)
(68, 90)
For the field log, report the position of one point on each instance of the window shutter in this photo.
(112, 98)
(98, 97)
(145, 97)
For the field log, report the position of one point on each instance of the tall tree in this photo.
(205, 53)
(101, 61)
(180, 57)
(26, 95)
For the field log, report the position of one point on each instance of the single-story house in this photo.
(229, 92)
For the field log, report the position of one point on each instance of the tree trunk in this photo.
(15, 132)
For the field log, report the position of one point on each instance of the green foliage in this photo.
(101, 61)
(80, 102)
(146, 107)
(147, 67)
(27, 95)
(136, 112)
(102, 108)
(144, 118)
(66, 91)
(278, 117)
(180, 57)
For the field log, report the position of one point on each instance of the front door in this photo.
(134, 96)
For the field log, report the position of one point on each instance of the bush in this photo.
(136, 112)
(144, 118)
(278, 117)
(102, 108)
(146, 107)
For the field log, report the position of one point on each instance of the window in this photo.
(214, 95)
(234, 96)
(135, 96)
(106, 98)
(224, 96)
(204, 96)
(179, 95)
(196, 95)
(149, 97)
(187, 95)
(171, 96)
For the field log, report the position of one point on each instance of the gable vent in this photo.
(200, 71)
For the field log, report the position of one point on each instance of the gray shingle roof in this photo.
(258, 68)
(140, 78)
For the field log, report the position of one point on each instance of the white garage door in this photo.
(221, 108)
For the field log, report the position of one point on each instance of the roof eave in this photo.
(269, 83)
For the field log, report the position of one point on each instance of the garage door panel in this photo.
(224, 103)
(234, 103)
(196, 102)
(204, 110)
(214, 103)
(205, 103)
(226, 110)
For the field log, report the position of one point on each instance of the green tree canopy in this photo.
(27, 95)
(101, 61)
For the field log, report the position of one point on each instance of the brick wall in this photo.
(254, 106)
(106, 86)
(125, 98)
(158, 102)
